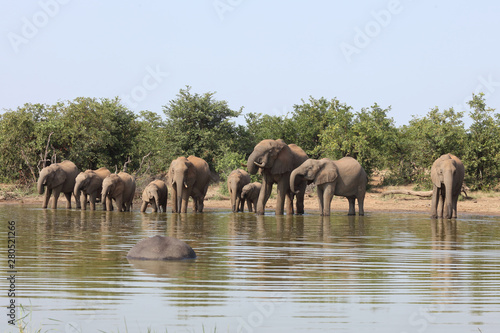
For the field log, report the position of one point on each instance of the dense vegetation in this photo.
(103, 132)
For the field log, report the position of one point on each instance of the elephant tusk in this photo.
(260, 165)
(185, 185)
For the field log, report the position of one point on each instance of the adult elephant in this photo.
(188, 177)
(235, 182)
(156, 194)
(250, 194)
(275, 160)
(121, 188)
(345, 177)
(447, 174)
(88, 185)
(58, 178)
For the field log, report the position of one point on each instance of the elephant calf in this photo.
(88, 184)
(156, 194)
(121, 188)
(250, 194)
(235, 182)
(345, 177)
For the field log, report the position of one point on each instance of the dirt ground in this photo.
(477, 203)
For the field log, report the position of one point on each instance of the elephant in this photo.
(447, 174)
(121, 188)
(58, 178)
(250, 194)
(188, 177)
(156, 194)
(275, 160)
(89, 184)
(344, 177)
(235, 182)
(161, 248)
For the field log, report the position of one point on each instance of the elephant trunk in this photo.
(180, 187)
(78, 189)
(41, 183)
(234, 198)
(295, 173)
(448, 203)
(105, 192)
(252, 165)
(156, 202)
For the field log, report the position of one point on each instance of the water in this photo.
(382, 272)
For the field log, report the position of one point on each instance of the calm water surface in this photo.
(382, 272)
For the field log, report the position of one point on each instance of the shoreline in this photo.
(477, 203)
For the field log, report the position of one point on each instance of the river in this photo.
(384, 272)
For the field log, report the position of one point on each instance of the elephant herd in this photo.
(287, 165)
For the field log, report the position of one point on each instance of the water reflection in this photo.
(337, 272)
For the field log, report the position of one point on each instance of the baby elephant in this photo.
(250, 194)
(156, 194)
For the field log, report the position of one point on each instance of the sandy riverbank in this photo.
(482, 203)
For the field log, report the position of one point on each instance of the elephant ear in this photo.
(59, 177)
(327, 173)
(284, 158)
(435, 173)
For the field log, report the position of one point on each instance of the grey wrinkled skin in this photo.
(161, 248)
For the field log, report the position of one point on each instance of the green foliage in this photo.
(422, 141)
(96, 133)
(482, 155)
(198, 124)
(336, 140)
(102, 132)
(150, 142)
(309, 119)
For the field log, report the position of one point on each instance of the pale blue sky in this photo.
(263, 55)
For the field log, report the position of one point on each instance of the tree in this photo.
(198, 125)
(374, 138)
(308, 121)
(150, 140)
(96, 132)
(336, 140)
(482, 157)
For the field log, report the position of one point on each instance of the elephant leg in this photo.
(68, 200)
(454, 203)
(281, 197)
(327, 200)
(55, 198)
(92, 199)
(265, 192)
(83, 201)
(119, 204)
(321, 197)
(249, 205)
(239, 203)
(352, 205)
(155, 206)
(46, 198)
(434, 201)
(361, 205)
(109, 204)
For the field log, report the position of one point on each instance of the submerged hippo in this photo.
(161, 248)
